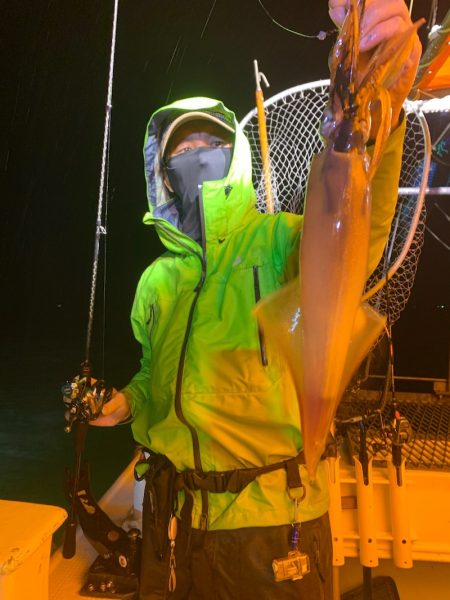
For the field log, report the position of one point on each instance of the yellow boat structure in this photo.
(401, 532)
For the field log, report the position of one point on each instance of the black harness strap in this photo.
(236, 480)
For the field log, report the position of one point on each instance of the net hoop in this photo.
(293, 119)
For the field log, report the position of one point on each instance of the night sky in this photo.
(55, 59)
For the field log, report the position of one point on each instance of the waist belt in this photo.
(236, 480)
(163, 483)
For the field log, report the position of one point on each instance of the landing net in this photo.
(293, 120)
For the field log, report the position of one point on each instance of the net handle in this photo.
(263, 141)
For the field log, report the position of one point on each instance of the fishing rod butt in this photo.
(70, 545)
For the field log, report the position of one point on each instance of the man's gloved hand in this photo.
(381, 20)
(113, 412)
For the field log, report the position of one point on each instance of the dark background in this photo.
(55, 60)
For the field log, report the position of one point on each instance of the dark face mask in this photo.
(189, 170)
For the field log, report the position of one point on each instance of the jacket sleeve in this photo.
(385, 194)
(138, 389)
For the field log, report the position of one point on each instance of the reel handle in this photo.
(84, 399)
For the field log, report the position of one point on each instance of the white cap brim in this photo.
(191, 116)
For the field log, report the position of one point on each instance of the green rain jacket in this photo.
(203, 396)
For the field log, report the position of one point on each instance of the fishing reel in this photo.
(401, 430)
(401, 434)
(84, 399)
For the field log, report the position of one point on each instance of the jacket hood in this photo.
(226, 201)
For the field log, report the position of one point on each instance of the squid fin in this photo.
(279, 316)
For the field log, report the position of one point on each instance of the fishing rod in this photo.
(84, 396)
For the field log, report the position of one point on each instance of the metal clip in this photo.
(259, 75)
(172, 534)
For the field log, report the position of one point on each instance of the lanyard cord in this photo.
(101, 218)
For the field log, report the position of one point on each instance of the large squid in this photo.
(319, 321)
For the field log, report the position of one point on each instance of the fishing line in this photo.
(437, 238)
(389, 382)
(433, 15)
(320, 36)
(105, 264)
(446, 216)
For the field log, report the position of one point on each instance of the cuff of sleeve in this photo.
(132, 405)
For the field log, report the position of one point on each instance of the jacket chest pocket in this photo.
(257, 293)
(151, 321)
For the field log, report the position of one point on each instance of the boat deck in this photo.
(429, 523)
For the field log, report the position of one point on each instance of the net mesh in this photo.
(293, 120)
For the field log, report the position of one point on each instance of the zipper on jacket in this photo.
(181, 364)
(175, 239)
(150, 322)
(262, 344)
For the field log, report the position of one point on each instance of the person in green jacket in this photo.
(213, 402)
